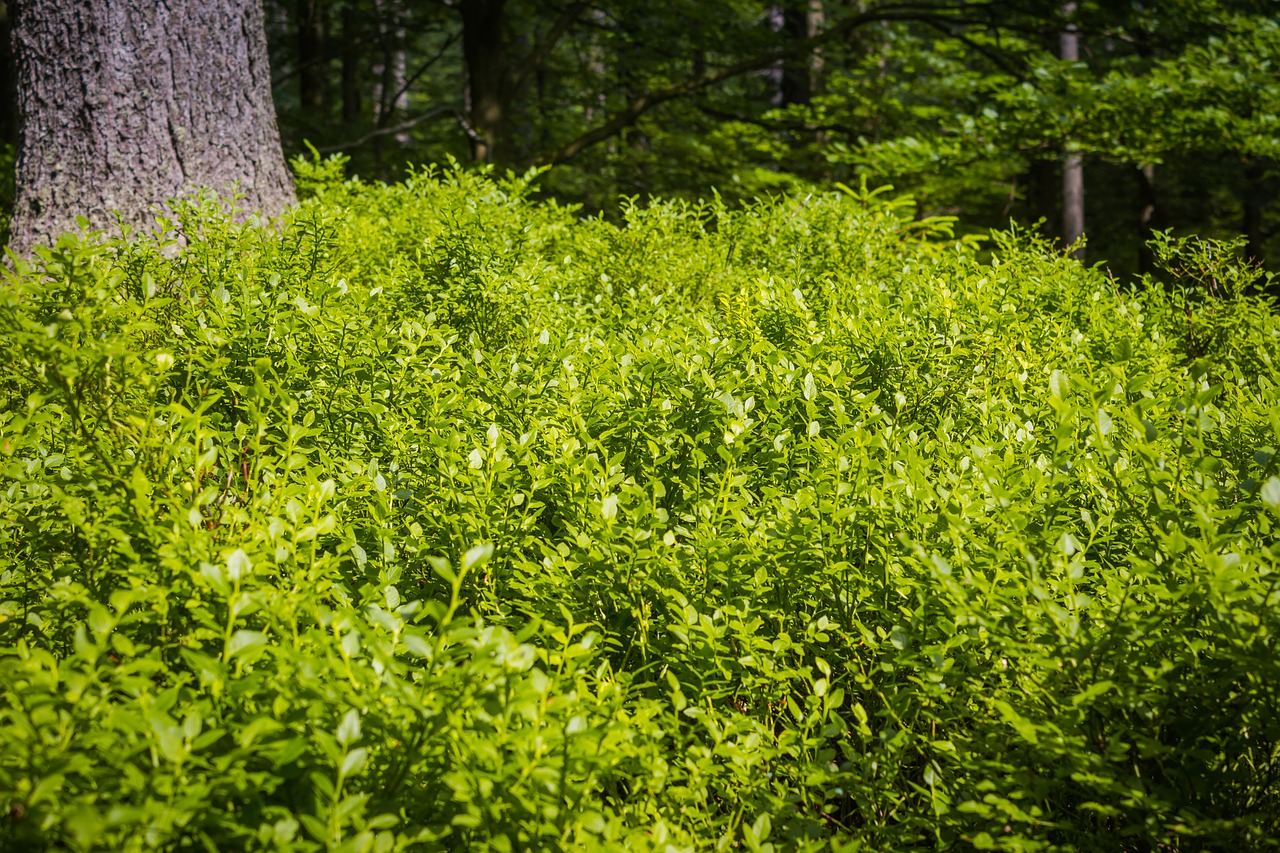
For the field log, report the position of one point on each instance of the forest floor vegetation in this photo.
(439, 518)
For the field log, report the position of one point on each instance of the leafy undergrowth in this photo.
(441, 519)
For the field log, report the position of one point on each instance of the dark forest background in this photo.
(1172, 106)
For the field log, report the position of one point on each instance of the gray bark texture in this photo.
(124, 104)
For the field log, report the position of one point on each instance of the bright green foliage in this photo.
(439, 519)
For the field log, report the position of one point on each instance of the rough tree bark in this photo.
(123, 104)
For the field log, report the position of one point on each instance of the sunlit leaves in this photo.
(889, 523)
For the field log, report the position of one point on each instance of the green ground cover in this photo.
(443, 519)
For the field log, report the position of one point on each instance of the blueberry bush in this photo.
(439, 518)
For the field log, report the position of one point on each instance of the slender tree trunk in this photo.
(815, 19)
(125, 103)
(801, 77)
(1251, 201)
(395, 98)
(1073, 202)
(313, 76)
(351, 106)
(8, 76)
(1073, 161)
(1044, 194)
(776, 74)
(598, 71)
(1146, 217)
(484, 54)
(389, 96)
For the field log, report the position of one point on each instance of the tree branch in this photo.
(646, 102)
(990, 55)
(413, 78)
(290, 73)
(398, 128)
(548, 42)
(773, 124)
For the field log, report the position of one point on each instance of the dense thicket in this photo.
(443, 518)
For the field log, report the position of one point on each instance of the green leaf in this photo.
(477, 557)
(1059, 386)
(1271, 493)
(353, 762)
(1020, 724)
(349, 729)
(238, 564)
(416, 645)
(244, 640)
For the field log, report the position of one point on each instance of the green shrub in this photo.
(441, 519)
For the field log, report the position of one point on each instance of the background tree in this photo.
(1072, 160)
(1168, 113)
(122, 105)
(975, 122)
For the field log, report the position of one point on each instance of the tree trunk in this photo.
(350, 66)
(598, 71)
(126, 103)
(1073, 161)
(484, 54)
(313, 75)
(1073, 201)
(8, 92)
(390, 96)
(1252, 199)
(802, 76)
(1044, 191)
(1146, 218)
(1073, 164)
